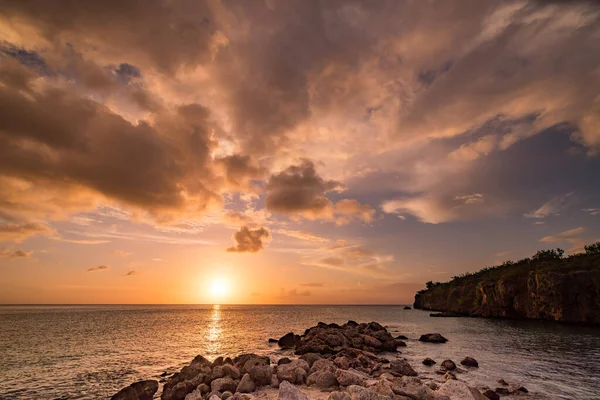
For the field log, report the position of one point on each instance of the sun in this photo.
(218, 288)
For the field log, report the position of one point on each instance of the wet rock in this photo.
(287, 341)
(469, 362)
(142, 390)
(322, 379)
(218, 361)
(350, 377)
(223, 384)
(246, 361)
(271, 340)
(457, 390)
(502, 391)
(226, 395)
(433, 338)
(490, 394)
(287, 391)
(401, 337)
(310, 358)
(352, 324)
(523, 389)
(370, 341)
(231, 371)
(339, 396)
(402, 367)
(283, 360)
(448, 365)
(261, 375)
(407, 308)
(446, 314)
(429, 362)
(228, 360)
(246, 385)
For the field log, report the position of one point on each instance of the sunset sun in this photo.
(218, 288)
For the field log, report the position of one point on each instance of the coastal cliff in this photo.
(546, 286)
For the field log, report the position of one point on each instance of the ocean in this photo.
(90, 352)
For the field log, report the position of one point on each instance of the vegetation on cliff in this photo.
(547, 285)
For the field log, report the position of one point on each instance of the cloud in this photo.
(120, 253)
(80, 241)
(470, 198)
(592, 211)
(9, 253)
(552, 207)
(17, 232)
(249, 240)
(313, 285)
(98, 268)
(346, 210)
(131, 273)
(302, 235)
(570, 236)
(299, 189)
(333, 261)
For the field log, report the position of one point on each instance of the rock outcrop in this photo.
(563, 289)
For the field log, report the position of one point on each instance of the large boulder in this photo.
(457, 390)
(490, 394)
(195, 395)
(223, 385)
(433, 338)
(370, 341)
(339, 396)
(310, 358)
(361, 393)
(287, 391)
(412, 387)
(142, 390)
(261, 375)
(246, 385)
(322, 365)
(448, 365)
(401, 368)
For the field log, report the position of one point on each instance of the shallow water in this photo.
(90, 352)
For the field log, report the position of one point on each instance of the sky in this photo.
(303, 152)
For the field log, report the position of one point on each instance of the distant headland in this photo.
(547, 286)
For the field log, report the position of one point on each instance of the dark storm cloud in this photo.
(249, 240)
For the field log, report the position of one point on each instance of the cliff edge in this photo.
(546, 286)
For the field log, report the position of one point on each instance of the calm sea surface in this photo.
(90, 352)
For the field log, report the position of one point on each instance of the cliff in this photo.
(545, 287)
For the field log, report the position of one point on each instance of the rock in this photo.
(469, 362)
(449, 375)
(401, 337)
(407, 308)
(429, 362)
(271, 340)
(457, 390)
(361, 393)
(350, 377)
(301, 375)
(261, 375)
(288, 340)
(490, 394)
(310, 358)
(502, 391)
(275, 382)
(283, 360)
(448, 365)
(382, 389)
(322, 379)
(195, 395)
(218, 361)
(246, 385)
(226, 395)
(402, 367)
(214, 396)
(433, 338)
(412, 387)
(288, 372)
(370, 341)
(287, 391)
(223, 384)
(447, 314)
(352, 324)
(339, 396)
(322, 365)
(503, 382)
(523, 389)
(142, 390)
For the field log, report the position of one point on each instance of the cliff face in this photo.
(566, 294)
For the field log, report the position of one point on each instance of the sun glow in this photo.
(218, 288)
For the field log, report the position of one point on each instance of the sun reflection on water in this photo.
(214, 331)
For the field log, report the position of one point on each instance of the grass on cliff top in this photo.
(543, 260)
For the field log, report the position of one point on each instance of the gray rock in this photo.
(246, 385)
(287, 391)
(433, 338)
(223, 384)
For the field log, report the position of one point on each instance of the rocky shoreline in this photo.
(348, 362)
